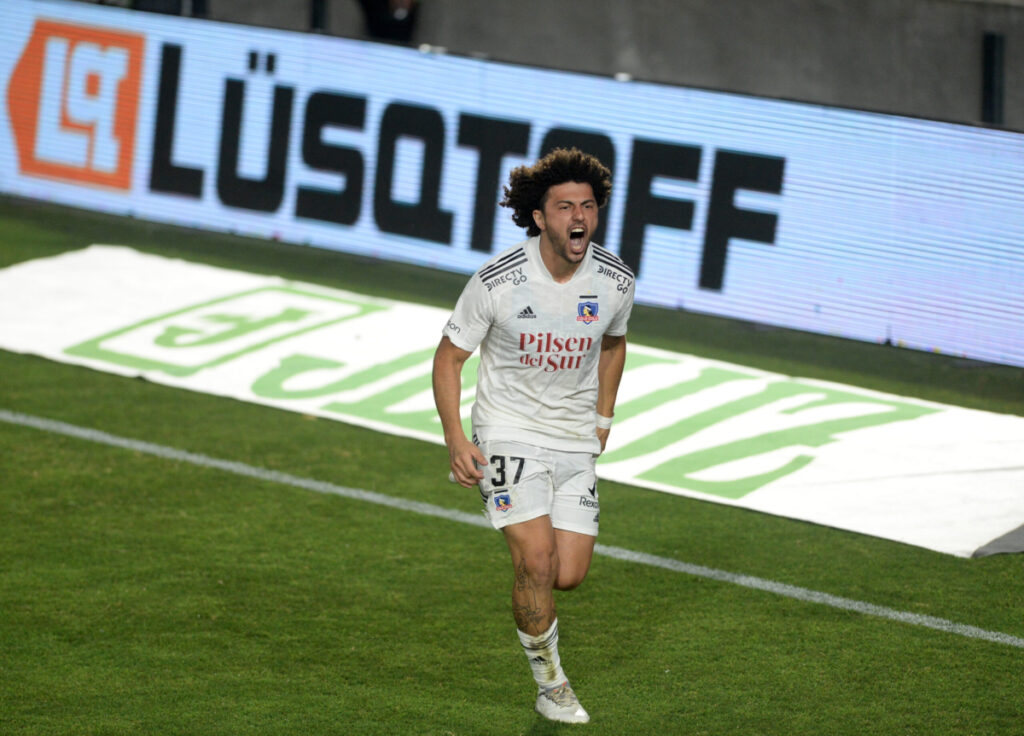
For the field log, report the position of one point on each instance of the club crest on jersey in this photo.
(503, 502)
(586, 311)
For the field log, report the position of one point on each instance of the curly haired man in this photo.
(549, 316)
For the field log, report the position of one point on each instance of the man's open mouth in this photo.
(576, 235)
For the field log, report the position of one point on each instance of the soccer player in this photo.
(549, 316)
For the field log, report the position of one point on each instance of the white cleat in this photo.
(561, 704)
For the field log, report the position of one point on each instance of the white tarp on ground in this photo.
(940, 477)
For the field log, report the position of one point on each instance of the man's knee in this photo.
(570, 577)
(539, 565)
(575, 551)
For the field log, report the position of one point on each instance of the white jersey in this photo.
(540, 342)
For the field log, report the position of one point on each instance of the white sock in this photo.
(542, 653)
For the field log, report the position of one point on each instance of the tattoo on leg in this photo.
(525, 609)
(528, 619)
(522, 579)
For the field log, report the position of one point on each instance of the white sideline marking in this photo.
(747, 581)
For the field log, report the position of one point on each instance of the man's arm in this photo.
(464, 456)
(609, 373)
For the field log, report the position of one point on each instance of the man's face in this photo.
(568, 220)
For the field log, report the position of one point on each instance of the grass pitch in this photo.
(141, 595)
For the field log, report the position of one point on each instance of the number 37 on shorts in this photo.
(501, 469)
(498, 487)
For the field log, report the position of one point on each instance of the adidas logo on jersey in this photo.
(527, 314)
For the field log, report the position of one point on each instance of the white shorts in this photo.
(522, 482)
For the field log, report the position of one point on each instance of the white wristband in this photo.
(604, 422)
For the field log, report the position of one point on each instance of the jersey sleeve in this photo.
(472, 318)
(621, 318)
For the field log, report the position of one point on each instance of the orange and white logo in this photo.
(73, 103)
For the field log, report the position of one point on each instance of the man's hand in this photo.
(466, 460)
(602, 435)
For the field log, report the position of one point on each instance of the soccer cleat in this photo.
(561, 704)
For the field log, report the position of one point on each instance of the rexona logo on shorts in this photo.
(73, 103)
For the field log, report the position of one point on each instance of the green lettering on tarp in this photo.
(707, 378)
(271, 384)
(131, 348)
(679, 471)
(381, 408)
(378, 407)
(237, 325)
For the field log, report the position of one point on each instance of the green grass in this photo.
(146, 596)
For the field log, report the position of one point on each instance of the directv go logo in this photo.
(73, 103)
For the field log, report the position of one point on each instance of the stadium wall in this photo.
(860, 225)
(921, 58)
